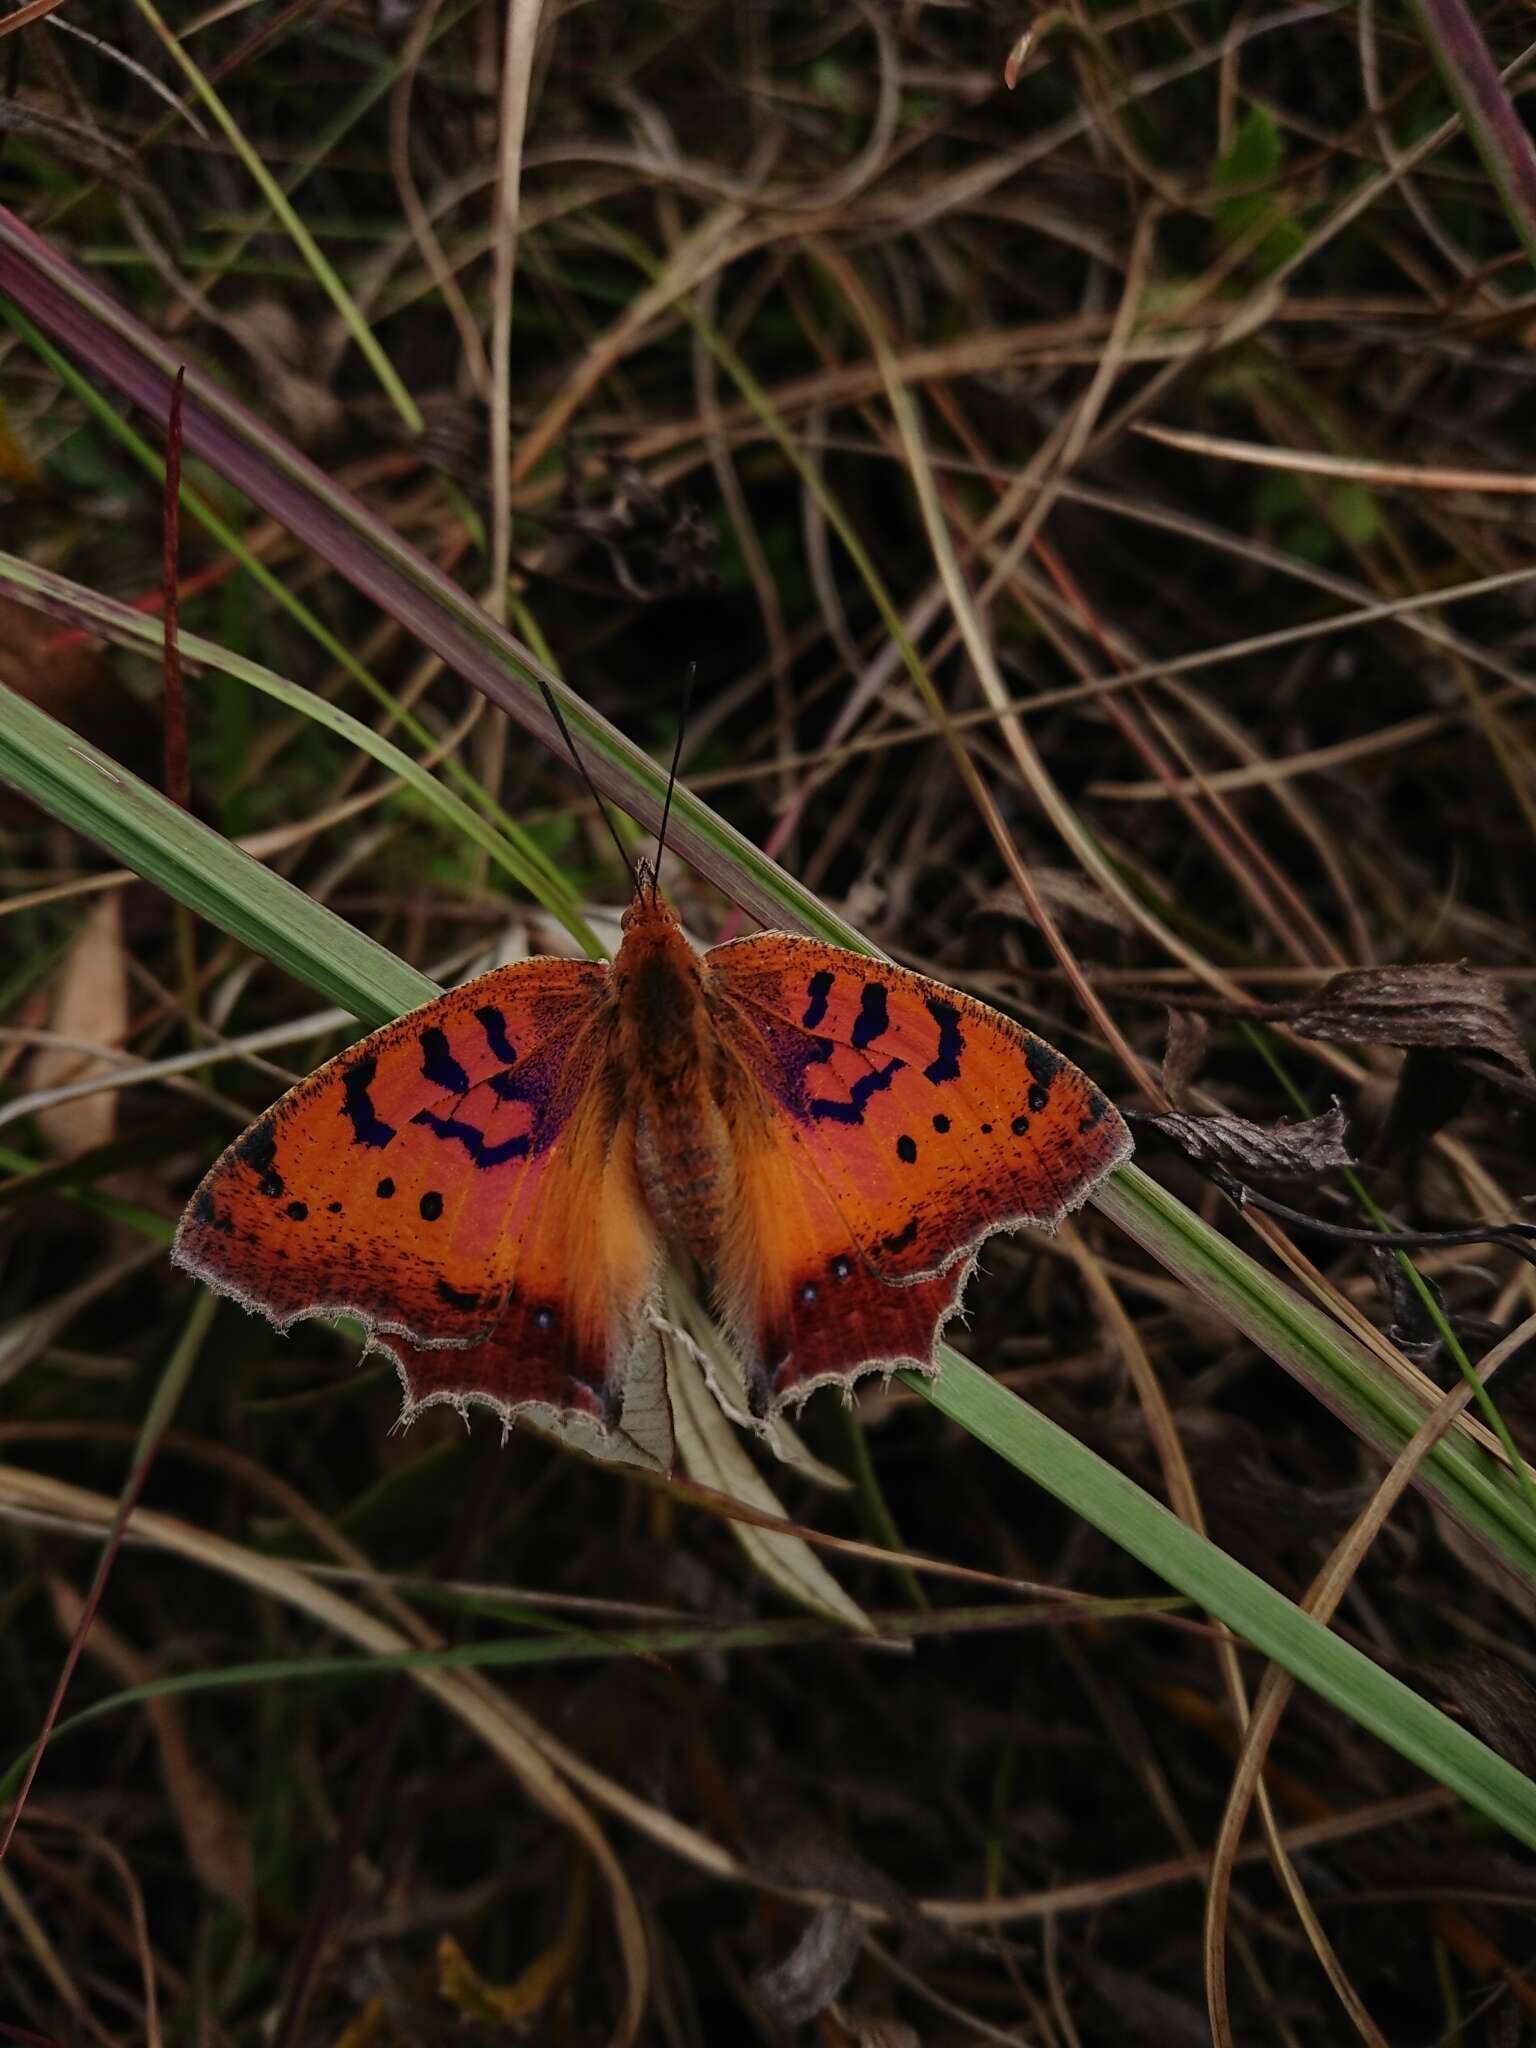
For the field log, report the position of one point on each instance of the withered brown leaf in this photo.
(1294, 1151)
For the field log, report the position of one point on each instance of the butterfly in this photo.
(492, 1184)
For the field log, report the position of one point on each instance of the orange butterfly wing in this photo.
(884, 1126)
(459, 1179)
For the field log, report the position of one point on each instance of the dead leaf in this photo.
(1189, 1035)
(90, 1004)
(1412, 1329)
(281, 350)
(1293, 1151)
(218, 1848)
(476, 1999)
(807, 1980)
(1450, 1007)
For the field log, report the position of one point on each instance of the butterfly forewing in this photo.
(910, 1122)
(400, 1181)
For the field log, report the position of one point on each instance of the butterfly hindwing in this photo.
(582, 1262)
(885, 1126)
(448, 1175)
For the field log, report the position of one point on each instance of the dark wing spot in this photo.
(473, 1140)
(456, 1297)
(818, 989)
(494, 1024)
(941, 1124)
(368, 1128)
(851, 1109)
(1043, 1061)
(1039, 1098)
(258, 1146)
(385, 1188)
(986, 1130)
(209, 1214)
(906, 1149)
(808, 1291)
(334, 1207)
(842, 1269)
(873, 1019)
(1096, 1108)
(258, 1150)
(431, 1206)
(1020, 1125)
(543, 1319)
(945, 1064)
(438, 1064)
(298, 1211)
(903, 1237)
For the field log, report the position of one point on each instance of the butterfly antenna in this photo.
(581, 769)
(677, 755)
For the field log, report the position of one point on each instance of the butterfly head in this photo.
(649, 913)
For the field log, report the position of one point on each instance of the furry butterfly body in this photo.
(491, 1184)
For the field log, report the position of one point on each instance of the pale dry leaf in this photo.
(711, 1451)
(90, 1006)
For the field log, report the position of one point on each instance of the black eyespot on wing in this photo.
(385, 1189)
(1096, 1109)
(1020, 1125)
(1039, 1098)
(298, 1211)
(903, 1237)
(543, 1319)
(334, 1208)
(431, 1206)
(438, 1064)
(457, 1297)
(808, 1291)
(941, 1124)
(986, 1130)
(842, 1269)
(368, 1128)
(906, 1150)
(873, 1020)
(818, 990)
(494, 1024)
(945, 1064)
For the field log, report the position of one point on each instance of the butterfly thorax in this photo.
(682, 1145)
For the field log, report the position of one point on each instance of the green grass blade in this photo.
(81, 786)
